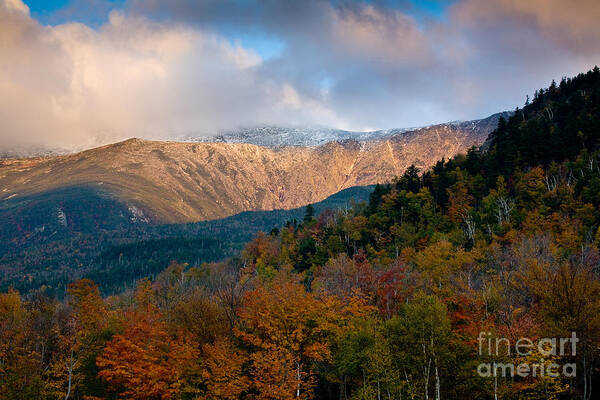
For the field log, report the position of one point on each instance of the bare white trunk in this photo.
(298, 376)
(70, 366)
(437, 384)
(495, 384)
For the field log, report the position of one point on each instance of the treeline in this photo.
(395, 298)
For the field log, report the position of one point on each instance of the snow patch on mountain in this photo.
(279, 136)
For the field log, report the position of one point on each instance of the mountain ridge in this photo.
(177, 182)
(280, 136)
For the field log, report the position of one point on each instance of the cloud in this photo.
(71, 86)
(515, 47)
(160, 69)
(570, 25)
(372, 33)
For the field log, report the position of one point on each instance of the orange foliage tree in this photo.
(146, 361)
(283, 324)
(289, 330)
(222, 372)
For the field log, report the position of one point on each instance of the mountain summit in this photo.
(278, 136)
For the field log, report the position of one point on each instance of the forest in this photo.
(390, 299)
(101, 243)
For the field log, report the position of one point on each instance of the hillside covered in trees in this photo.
(387, 300)
(104, 245)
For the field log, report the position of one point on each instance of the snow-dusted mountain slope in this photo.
(278, 136)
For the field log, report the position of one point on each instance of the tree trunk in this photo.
(298, 376)
(70, 370)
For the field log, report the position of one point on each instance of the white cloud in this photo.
(73, 86)
(351, 65)
(385, 35)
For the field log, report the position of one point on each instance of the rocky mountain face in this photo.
(174, 182)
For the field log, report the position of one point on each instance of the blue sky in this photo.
(42, 8)
(92, 13)
(46, 11)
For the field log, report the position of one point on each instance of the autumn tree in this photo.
(20, 363)
(570, 303)
(146, 361)
(284, 324)
(289, 331)
(223, 371)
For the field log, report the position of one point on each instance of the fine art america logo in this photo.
(535, 358)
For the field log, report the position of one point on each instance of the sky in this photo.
(76, 74)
